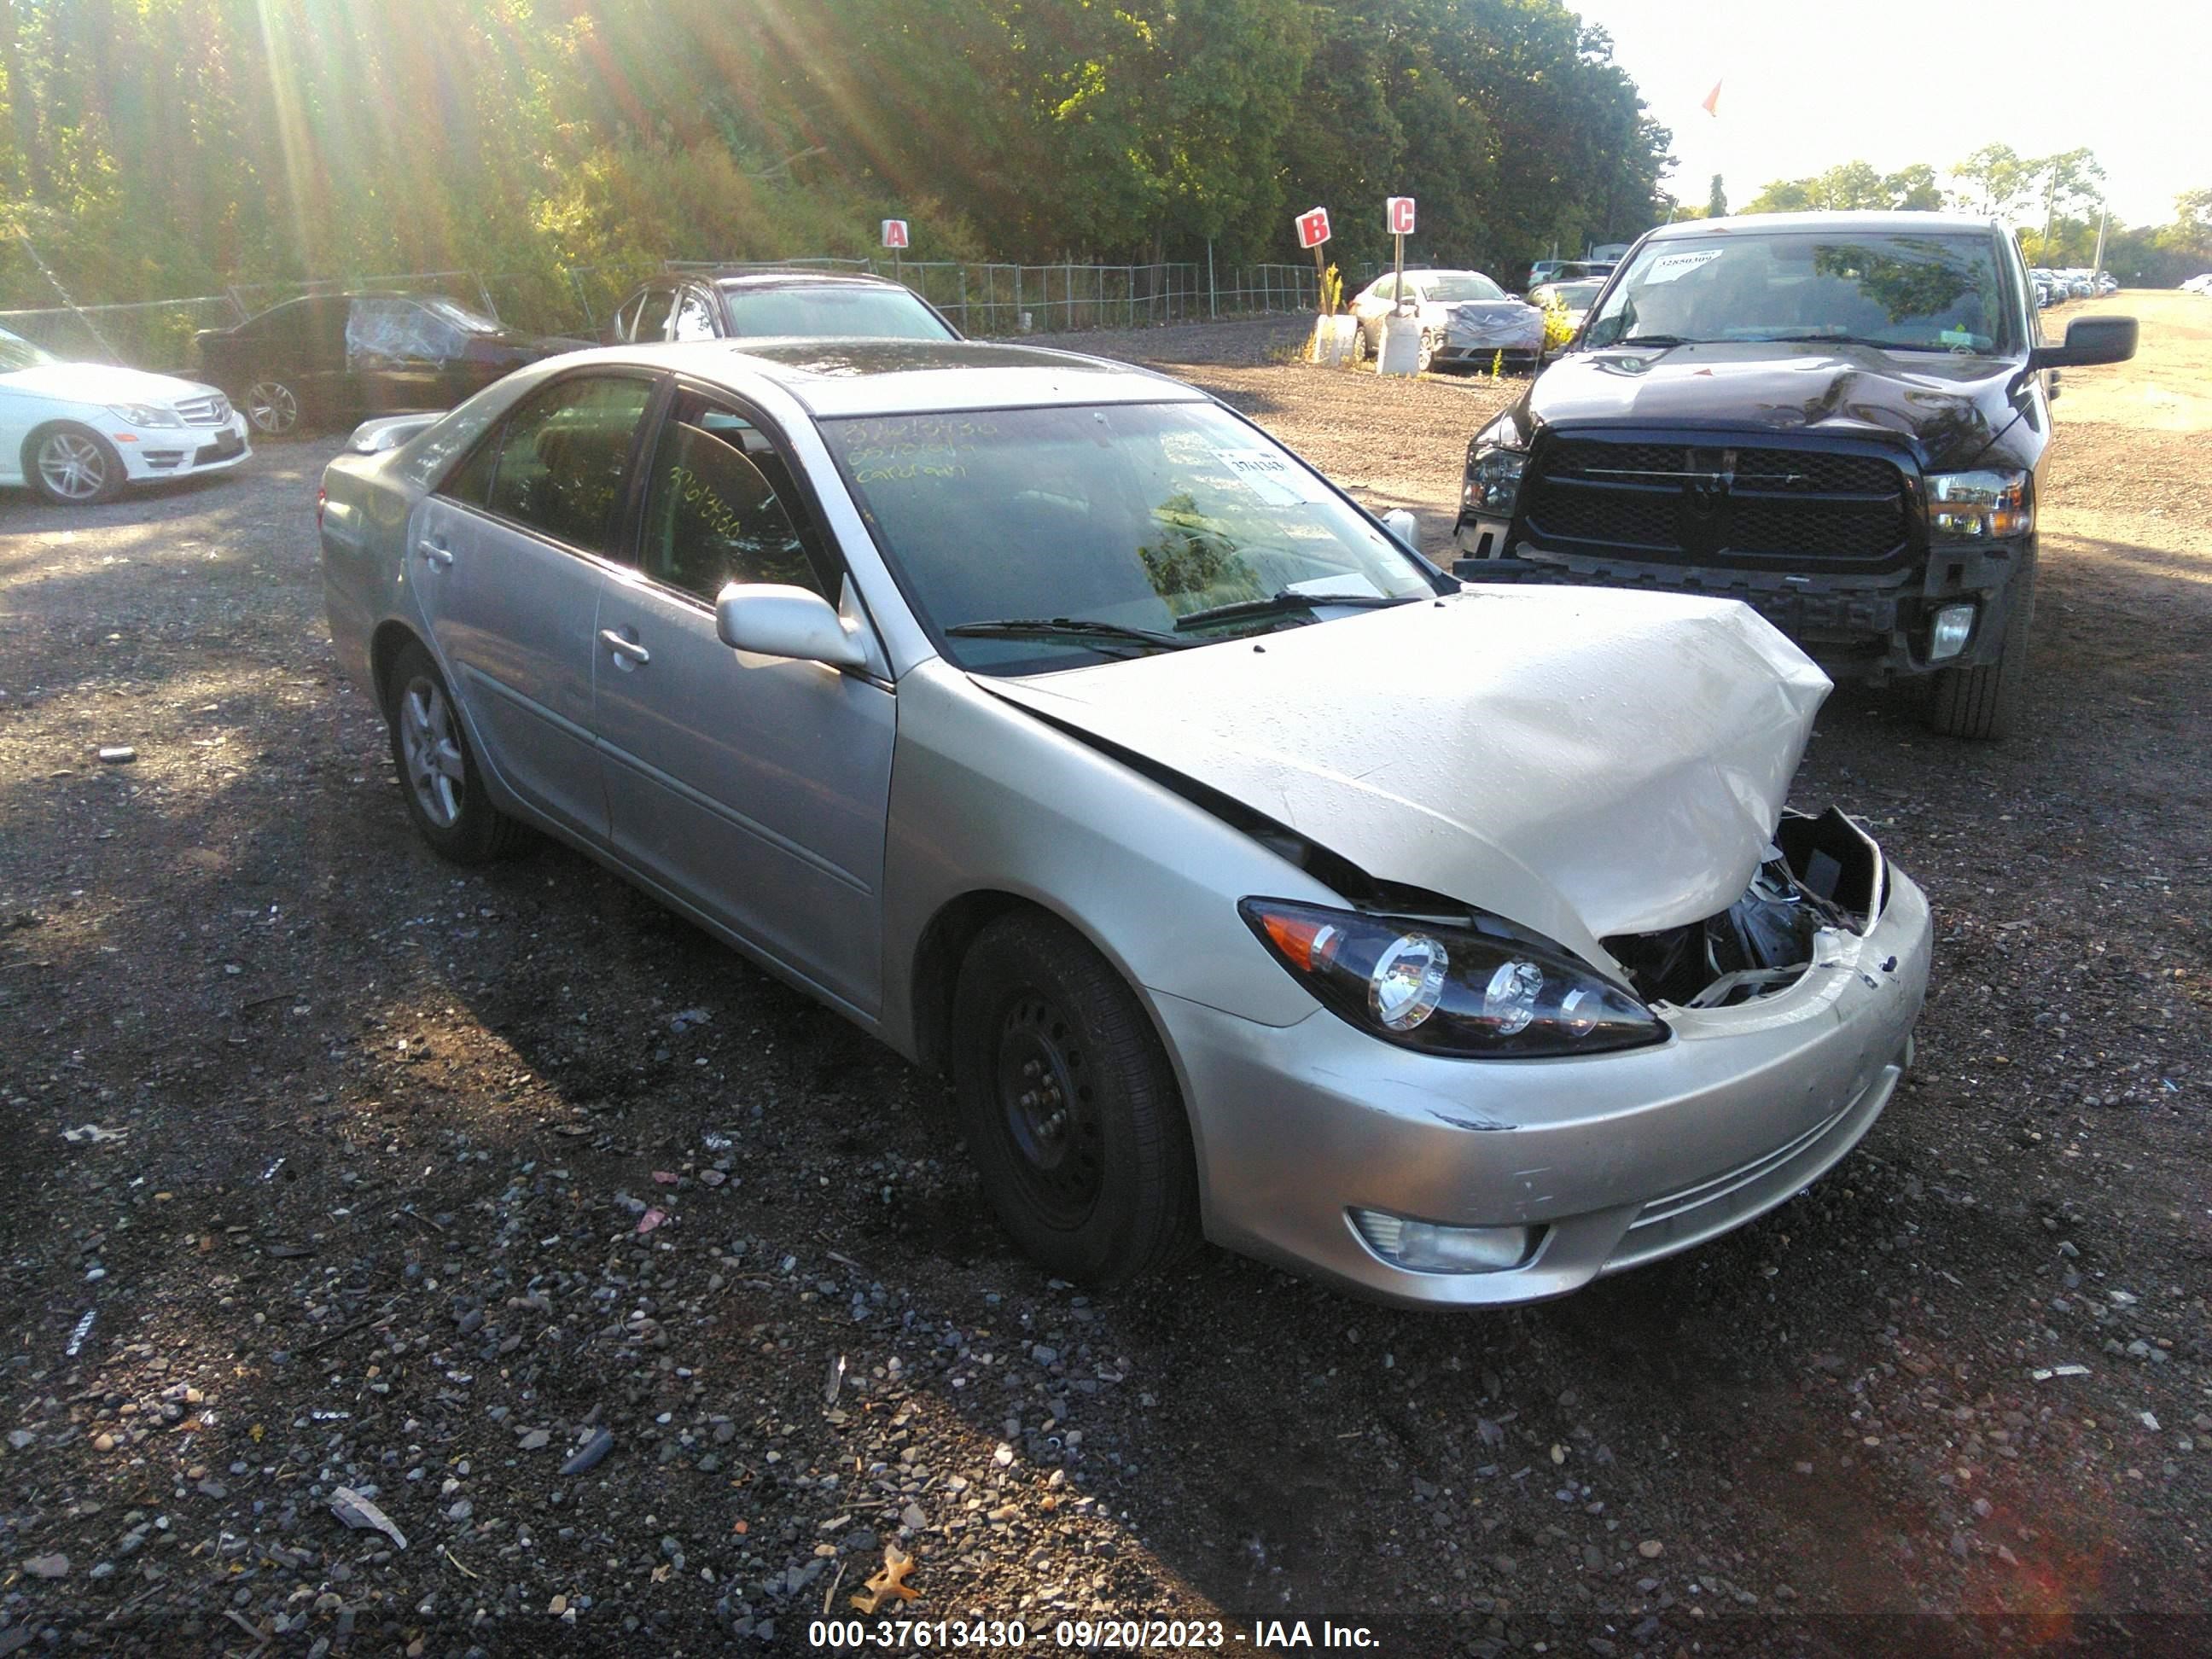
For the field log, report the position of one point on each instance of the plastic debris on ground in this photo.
(357, 1512)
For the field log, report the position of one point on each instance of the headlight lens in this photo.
(1449, 988)
(144, 414)
(1978, 506)
(1493, 479)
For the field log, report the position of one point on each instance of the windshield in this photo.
(827, 312)
(1451, 285)
(1132, 516)
(470, 322)
(16, 352)
(1902, 292)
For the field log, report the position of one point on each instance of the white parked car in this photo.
(1467, 320)
(79, 431)
(2199, 284)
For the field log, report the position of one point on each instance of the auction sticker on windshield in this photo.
(1275, 479)
(1667, 266)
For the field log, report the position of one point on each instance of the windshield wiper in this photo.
(1656, 340)
(1290, 600)
(1066, 627)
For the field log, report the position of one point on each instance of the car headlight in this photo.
(1978, 506)
(143, 415)
(1493, 478)
(1450, 989)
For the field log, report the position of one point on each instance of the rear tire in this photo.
(1983, 704)
(1361, 351)
(439, 778)
(72, 465)
(1069, 1106)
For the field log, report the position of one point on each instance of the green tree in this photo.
(1716, 200)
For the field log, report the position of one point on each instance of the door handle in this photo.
(629, 650)
(434, 553)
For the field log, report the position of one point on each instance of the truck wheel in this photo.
(1983, 704)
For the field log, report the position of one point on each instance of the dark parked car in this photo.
(778, 303)
(1839, 419)
(330, 358)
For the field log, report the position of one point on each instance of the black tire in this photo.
(1361, 351)
(272, 406)
(447, 801)
(1983, 704)
(72, 465)
(1427, 360)
(1112, 1194)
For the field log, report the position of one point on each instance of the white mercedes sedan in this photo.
(78, 433)
(1251, 878)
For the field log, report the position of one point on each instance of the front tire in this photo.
(72, 465)
(1427, 360)
(1983, 704)
(1361, 351)
(1069, 1106)
(273, 406)
(439, 778)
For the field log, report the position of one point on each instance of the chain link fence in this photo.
(985, 299)
(152, 334)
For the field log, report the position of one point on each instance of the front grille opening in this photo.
(1691, 503)
(1818, 874)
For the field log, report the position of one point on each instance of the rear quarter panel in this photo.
(364, 540)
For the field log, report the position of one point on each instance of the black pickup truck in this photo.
(1839, 418)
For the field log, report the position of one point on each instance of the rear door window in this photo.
(559, 465)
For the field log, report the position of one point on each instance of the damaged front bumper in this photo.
(1866, 627)
(1608, 1162)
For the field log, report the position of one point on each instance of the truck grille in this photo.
(1718, 502)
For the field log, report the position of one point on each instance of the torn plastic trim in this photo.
(1822, 876)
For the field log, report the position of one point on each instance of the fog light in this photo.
(1430, 1247)
(1954, 623)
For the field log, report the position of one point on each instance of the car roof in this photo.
(740, 282)
(1882, 223)
(832, 377)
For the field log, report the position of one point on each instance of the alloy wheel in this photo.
(430, 744)
(271, 407)
(1046, 1099)
(71, 466)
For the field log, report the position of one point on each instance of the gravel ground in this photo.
(655, 1307)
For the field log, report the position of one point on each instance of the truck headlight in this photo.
(1478, 989)
(1978, 506)
(1493, 479)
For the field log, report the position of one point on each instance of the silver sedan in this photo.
(1251, 878)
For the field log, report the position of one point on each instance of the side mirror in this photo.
(770, 620)
(1402, 525)
(2089, 340)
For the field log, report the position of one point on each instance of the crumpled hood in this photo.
(1507, 320)
(1947, 409)
(1582, 761)
(102, 383)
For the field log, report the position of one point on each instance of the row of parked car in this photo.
(80, 433)
(1441, 934)
(2057, 287)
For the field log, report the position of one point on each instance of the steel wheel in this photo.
(1046, 1096)
(75, 466)
(429, 745)
(272, 408)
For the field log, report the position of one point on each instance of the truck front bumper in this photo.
(1866, 628)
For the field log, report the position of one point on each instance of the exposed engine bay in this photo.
(1818, 874)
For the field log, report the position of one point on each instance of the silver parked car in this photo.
(1248, 875)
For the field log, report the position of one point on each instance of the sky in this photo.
(1805, 86)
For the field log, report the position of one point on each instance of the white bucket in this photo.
(1332, 341)
(1401, 346)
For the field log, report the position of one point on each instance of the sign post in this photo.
(1400, 211)
(1313, 231)
(895, 239)
(1400, 349)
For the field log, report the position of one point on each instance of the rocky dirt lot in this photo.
(653, 1306)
